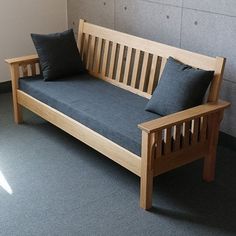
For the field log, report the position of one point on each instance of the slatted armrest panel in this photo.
(180, 117)
(24, 66)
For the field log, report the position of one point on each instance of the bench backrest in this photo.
(134, 63)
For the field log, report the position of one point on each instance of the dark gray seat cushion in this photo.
(104, 108)
(181, 87)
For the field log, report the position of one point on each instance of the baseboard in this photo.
(5, 87)
(227, 140)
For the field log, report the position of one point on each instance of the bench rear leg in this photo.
(146, 180)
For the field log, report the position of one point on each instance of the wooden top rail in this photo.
(183, 116)
(163, 50)
(25, 59)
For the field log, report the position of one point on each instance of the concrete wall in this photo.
(206, 26)
(20, 18)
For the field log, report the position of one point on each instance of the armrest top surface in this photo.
(182, 116)
(24, 59)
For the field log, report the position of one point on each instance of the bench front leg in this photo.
(147, 171)
(27, 66)
(210, 158)
(14, 69)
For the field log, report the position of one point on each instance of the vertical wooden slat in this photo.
(158, 138)
(91, 53)
(80, 35)
(163, 63)
(88, 53)
(203, 128)
(152, 74)
(97, 55)
(38, 69)
(33, 69)
(24, 70)
(144, 71)
(105, 54)
(195, 129)
(135, 69)
(167, 141)
(112, 60)
(177, 135)
(127, 65)
(85, 49)
(186, 133)
(119, 63)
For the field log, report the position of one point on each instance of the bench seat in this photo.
(107, 109)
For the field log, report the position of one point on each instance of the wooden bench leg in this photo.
(17, 112)
(146, 188)
(146, 181)
(209, 167)
(210, 158)
(14, 82)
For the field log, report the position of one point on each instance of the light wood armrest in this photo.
(180, 117)
(25, 59)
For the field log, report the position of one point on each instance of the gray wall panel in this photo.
(228, 93)
(226, 7)
(100, 12)
(147, 19)
(213, 35)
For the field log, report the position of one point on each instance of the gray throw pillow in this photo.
(181, 87)
(58, 54)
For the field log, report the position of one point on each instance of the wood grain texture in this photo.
(97, 59)
(127, 65)
(151, 81)
(217, 81)
(14, 70)
(112, 59)
(135, 69)
(147, 169)
(210, 157)
(119, 63)
(105, 59)
(143, 72)
(24, 59)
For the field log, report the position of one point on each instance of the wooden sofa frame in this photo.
(136, 64)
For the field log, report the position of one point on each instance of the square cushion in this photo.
(58, 54)
(181, 87)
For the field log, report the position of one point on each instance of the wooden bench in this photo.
(136, 64)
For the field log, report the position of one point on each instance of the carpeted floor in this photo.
(62, 187)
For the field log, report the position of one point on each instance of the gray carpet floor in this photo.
(60, 186)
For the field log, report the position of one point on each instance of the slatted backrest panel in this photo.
(134, 63)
